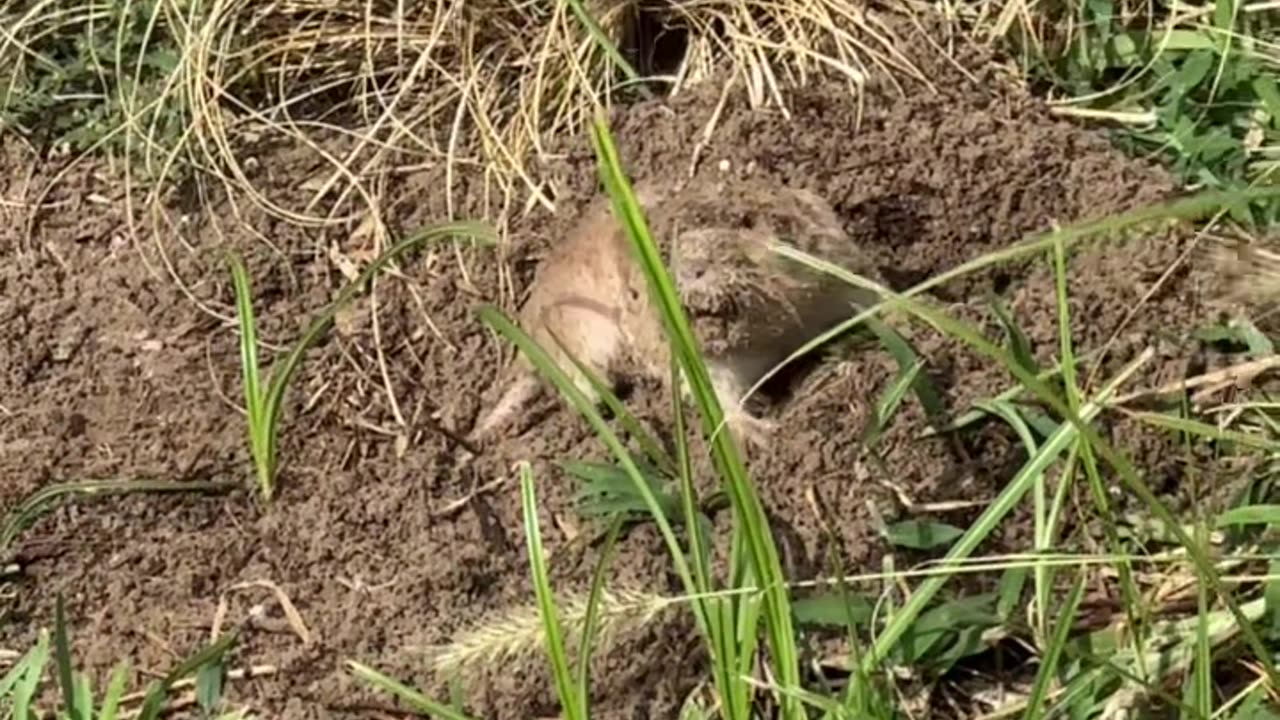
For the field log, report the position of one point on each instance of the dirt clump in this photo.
(118, 359)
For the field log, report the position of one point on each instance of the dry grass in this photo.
(376, 88)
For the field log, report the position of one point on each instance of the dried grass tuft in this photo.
(377, 87)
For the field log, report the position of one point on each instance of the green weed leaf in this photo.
(921, 534)
(405, 694)
(62, 654)
(1016, 340)
(1250, 515)
(948, 628)
(209, 682)
(833, 609)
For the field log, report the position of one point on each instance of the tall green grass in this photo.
(729, 617)
(728, 622)
(1074, 422)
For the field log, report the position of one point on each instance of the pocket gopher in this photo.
(749, 307)
(576, 298)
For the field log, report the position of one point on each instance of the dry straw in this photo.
(380, 87)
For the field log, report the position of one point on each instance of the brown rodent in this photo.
(576, 299)
(749, 307)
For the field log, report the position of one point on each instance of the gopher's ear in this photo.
(1245, 273)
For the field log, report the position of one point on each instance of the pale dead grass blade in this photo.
(234, 674)
(1208, 383)
(290, 611)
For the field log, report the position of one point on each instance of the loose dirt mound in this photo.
(117, 360)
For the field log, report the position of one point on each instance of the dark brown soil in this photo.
(118, 360)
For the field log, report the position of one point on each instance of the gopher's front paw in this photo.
(755, 432)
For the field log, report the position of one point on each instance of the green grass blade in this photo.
(831, 708)
(592, 612)
(717, 611)
(16, 673)
(153, 701)
(1202, 669)
(747, 509)
(887, 405)
(906, 357)
(1047, 514)
(84, 696)
(1049, 664)
(572, 704)
(62, 658)
(209, 686)
(41, 500)
(688, 493)
(920, 534)
(1019, 345)
(1205, 430)
(601, 38)
(115, 692)
(1009, 591)
(1271, 600)
(1250, 515)
(1134, 607)
(414, 699)
(1007, 412)
(663, 290)
(747, 639)
(254, 403)
(26, 687)
(1044, 572)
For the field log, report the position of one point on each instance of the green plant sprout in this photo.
(20, 687)
(264, 402)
